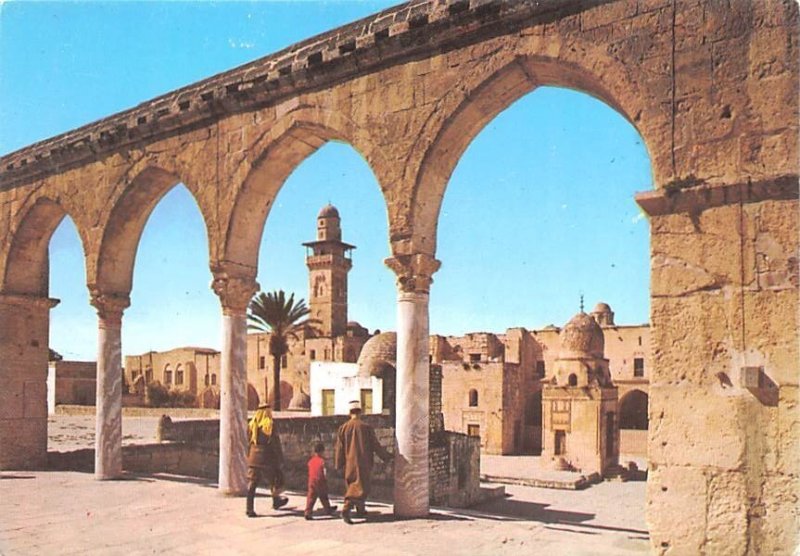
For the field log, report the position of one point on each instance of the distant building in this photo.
(492, 383)
(71, 383)
(330, 338)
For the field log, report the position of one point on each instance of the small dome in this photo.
(582, 337)
(300, 401)
(378, 354)
(328, 211)
(601, 308)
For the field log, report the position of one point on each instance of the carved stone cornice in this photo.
(29, 300)
(414, 272)
(233, 289)
(110, 306)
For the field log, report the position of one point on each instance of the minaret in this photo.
(328, 260)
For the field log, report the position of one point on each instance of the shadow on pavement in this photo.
(509, 509)
(5, 476)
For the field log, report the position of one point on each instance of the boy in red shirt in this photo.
(317, 482)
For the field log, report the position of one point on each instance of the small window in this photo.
(167, 377)
(284, 361)
(638, 366)
(213, 380)
(178, 377)
(640, 340)
(473, 398)
(262, 362)
(474, 357)
(573, 379)
(148, 375)
(474, 430)
(207, 380)
(313, 354)
(540, 369)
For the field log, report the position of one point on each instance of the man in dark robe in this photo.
(264, 459)
(356, 446)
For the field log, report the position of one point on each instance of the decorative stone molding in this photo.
(699, 197)
(414, 272)
(110, 306)
(234, 291)
(27, 300)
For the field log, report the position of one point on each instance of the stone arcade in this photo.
(711, 87)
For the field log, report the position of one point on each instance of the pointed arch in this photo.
(483, 102)
(126, 221)
(27, 267)
(633, 410)
(288, 143)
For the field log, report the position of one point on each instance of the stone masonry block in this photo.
(727, 519)
(778, 517)
(681, 417)
(676, 509)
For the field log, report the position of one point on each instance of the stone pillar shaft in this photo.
(412, 415)
(235, 292)
(412, 491)
(108, 426)
(233, 406)
(108, 405)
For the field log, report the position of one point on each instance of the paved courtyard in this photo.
(71, 513)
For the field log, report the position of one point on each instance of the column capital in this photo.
(110, 306)
(234, 290)
(414, 272)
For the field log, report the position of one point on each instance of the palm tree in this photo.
(283, 319)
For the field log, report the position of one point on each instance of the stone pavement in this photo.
(71, 513)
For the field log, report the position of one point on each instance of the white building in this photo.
(371, 380)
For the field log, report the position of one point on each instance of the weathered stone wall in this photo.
(24, 328)
(723, 452)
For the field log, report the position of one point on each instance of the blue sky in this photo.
(539, 209)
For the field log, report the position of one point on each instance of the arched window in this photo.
(573, 379)
(633, 411)
(167, 374)
(473, 398)
(179, 375)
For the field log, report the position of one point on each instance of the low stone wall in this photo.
(179, 459)
(454, 457)
(184, 412)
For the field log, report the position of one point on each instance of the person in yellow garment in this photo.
(356, 445)
(265, 459)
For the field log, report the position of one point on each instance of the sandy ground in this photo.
(71, 513)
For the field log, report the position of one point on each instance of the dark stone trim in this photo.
(702, 197)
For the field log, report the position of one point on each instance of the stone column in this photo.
(412, 488)
(108, 405)
(24, 326)
(234, 293)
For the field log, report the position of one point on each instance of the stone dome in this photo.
(328, 211)
(378, 355)
(300, 401)
(603, 314)
(582, 337)
(602, 308)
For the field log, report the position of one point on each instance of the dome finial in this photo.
(581, 302)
